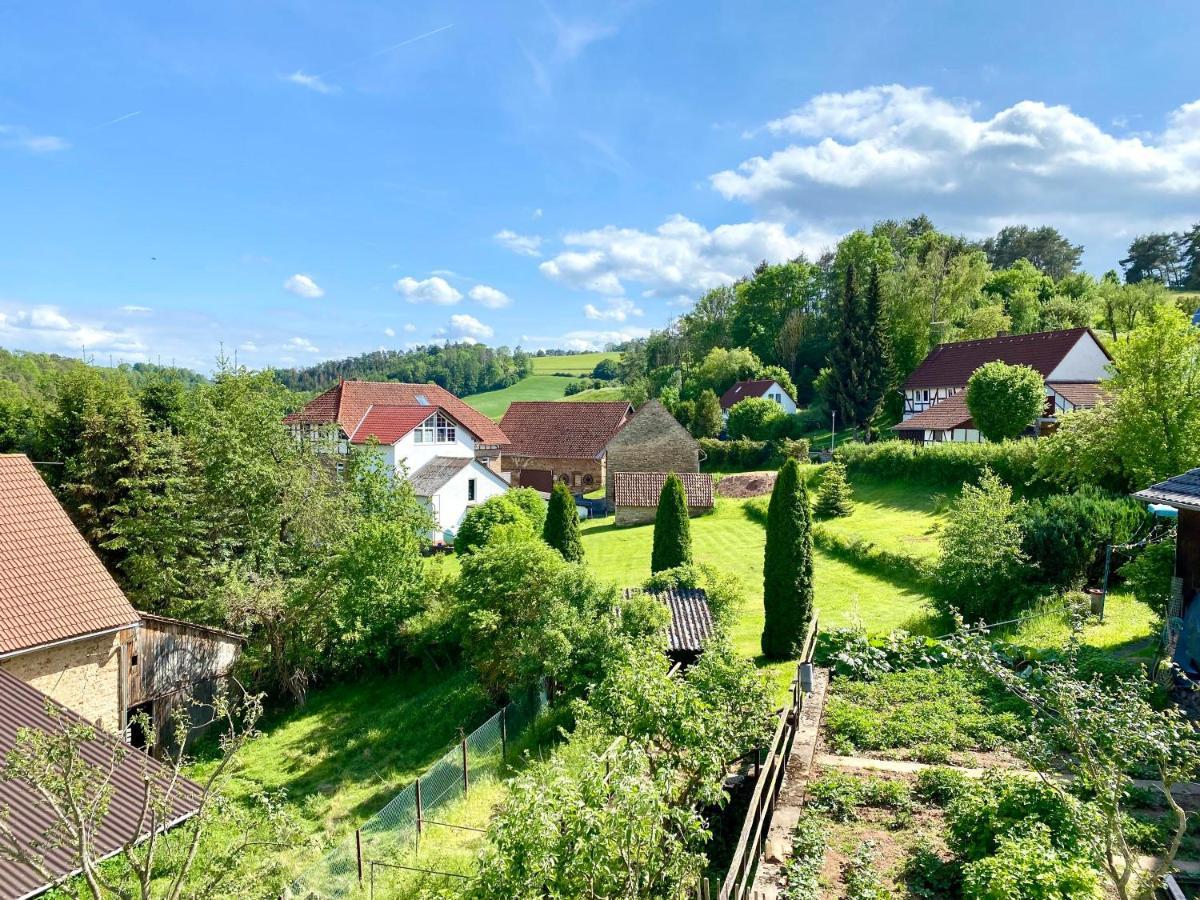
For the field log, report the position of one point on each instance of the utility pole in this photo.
(833, 430)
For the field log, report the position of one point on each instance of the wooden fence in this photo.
(739, 880)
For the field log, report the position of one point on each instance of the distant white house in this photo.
(763, 388)
(449, 452)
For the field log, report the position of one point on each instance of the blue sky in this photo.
(300, 181)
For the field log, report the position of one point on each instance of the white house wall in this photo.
(1083, 362)
(414, 455)
(786, 403)
(450, 504)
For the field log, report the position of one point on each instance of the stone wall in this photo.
(576, 469)
(84, 676)
(641, 515)
(652, 441)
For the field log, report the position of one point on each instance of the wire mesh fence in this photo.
(397, 828)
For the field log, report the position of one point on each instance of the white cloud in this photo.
(537, 213)
(131, 310)
(390, 332)
(431, 290)
(583, 339)
(895, 150)
(312, 82)
(523, 244)
(248, 347)
(617, 309)
(489, 296)
(24, 139)
(680, 256)
(470, 327)
(304, 345)
(409, 327)
(47, 328)
(303, 286)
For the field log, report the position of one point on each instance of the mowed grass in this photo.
(493, 404)
(575, 363)
(595, 395)
(895, 516)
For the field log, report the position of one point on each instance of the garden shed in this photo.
(635, 494)
(691, 621)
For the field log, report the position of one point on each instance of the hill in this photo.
(545, 384)
(574, 364)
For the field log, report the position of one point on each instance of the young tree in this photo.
(1004, 400)
(672, 530)
(706, 421)
(833, 496)
(787, 566)
(753, 418)
(479, 522)
(562, 524)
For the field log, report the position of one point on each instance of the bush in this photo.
(940, 785)
(852, 654)
(929, 877)
(672, 530)
(1064, 534)
(754, 418)
(480, 521)
(1027, 866)
(1004, 400)
(981, 817)
(948, 464)
(833, 497)
(532, 503)
(742, 454)
(1148, 575)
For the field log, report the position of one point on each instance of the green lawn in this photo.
(594, 395)
(534, 387)
(897, 517)
(575, 363)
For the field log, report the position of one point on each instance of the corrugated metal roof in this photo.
(643, 488)
(21, 706)
(560, 429)
(691, 619)
(431, 477)
(52, 586)
(1182, 491)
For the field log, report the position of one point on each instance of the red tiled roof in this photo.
(951, 365)
(22, 706)
(561, 429)
(743, 389)
(950, 413)
(643, 488)
(347, 402)
(1083, 394)
(52, 586)
(387, 424)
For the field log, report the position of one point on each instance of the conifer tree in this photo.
(859, 360)
(833, 497)
(672, 531)
(787, 566)
(561, 530)
(707, 420)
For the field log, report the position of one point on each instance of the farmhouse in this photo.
(68, 631)
(762, 387)
(1072, 364)
(449, 452)
(636, 495)
(691, 621)
(560, 441)
(652, 440)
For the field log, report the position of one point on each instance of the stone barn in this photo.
(653, 441)
(636, 494)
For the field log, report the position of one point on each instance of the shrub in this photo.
(803, 871)
(940, 785)
(754, 418)
(948, 464)
(561, 530)
(792, 448)
(672, 530)
(706, 419)
(480, 521)
(1148, 575)
(787, 566)
(1004, 400)
(1027, 866)
(979, 818)
(833, 497)
(852, 654)
(1064, 534)
(531, 503)
(929, 877)
(741, 454)
(836, 794)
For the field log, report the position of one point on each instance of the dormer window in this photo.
(437, 429)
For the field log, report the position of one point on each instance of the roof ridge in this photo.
(360, 421)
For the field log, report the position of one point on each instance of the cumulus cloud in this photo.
(523, 244)
(680, 256)
(489, 296)
(390, 332)
(896, 150)
(583, 339)
(23, 138)
(434, 289)
(616, 309)
(304, 345)
(48, 328)
(248, 347)
(303, 286)
(312, 82)
(409, 327)
(465, 326)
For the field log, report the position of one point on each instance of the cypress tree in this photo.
(787, 566)
(877, 369)
(833, 497)
(672, 531)
(860, 358)
(561, 530)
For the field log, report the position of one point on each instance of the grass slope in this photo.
(597, 394)
(894, 516)
(493, 404)
(575, 363)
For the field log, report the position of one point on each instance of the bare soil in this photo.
(746, 484)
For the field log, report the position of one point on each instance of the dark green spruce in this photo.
(672, 531)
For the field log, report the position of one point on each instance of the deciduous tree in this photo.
(1004, 400)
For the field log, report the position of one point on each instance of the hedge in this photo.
(747, 454)
(947, 465)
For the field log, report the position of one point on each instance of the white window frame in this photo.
(437, 429)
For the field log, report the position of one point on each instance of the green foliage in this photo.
(982, 566)
(787, 566)
(850, 653)
(497, 512)
(1148, 575)
(562, 524)
(605, 370)
(977, 820)
(861, 876)
(948, 464)
(531, 503)
(802, 874)
(834, 496)
(723, 590)
(706, 421)
(1027, 866)
(1065, 534)
(1004, 400)
(859, 359)
(1044, 247)
(940, 786)
(672, 530)
(739, 454)
(753, 419)
(929, 877)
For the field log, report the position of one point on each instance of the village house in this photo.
(448, 451)
(560, 441)
(67, 630)
(636, 495)
(1071, 362)
(762, 388)
(651, 440)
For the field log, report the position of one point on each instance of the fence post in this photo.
(358, 852)
(420, 814)
(466, 782)
(504, 734)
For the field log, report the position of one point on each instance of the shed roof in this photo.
(691, 619)
(432, 477)
(951, 365)
(949, 413)
(52, 586)
(561, 429)
(22, 706)
(1181, 491)
(348, 401)
(740, 390)
(644, 488)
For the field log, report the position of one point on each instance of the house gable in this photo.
(651, 441)
(1084, 362)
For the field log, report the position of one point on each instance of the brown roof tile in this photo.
(52, 586)
(347, 402)
(1083, 394)
(951, 365)
(562, 430)
(743, 389)
(950, 413)
(643, 488)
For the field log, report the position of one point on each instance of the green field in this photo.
(593, 395)
(575, 363)
(543, 384)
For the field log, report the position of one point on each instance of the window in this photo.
(470, 490)
(437, 429)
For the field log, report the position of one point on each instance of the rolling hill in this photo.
(543, 384)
